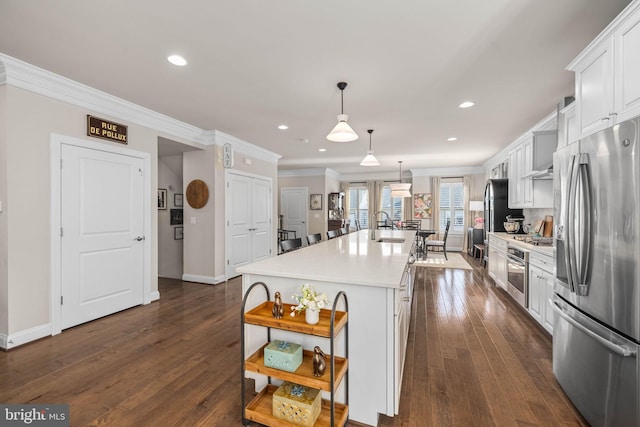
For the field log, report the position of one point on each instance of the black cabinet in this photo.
(474, 238)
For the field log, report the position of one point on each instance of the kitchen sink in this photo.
(391, 240)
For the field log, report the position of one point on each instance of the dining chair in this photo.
(332, 234)
(312, 239)
(343, 231)
(290, 245)
(411, 224)
(440, 243)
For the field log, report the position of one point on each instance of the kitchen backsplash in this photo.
(533, 215)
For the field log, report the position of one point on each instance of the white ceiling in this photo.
(256, 64)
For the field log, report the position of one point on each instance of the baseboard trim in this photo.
(14, 340)
(203, 279)
(153, 296)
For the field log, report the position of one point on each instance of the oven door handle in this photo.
(516, 259)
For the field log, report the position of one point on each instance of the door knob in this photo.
(139, 238)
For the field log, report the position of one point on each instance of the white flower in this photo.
(309, 298)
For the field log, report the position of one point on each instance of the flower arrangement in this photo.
(309, 298)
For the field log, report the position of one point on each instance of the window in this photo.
(452, 206)
(359, 206)
(393, 206)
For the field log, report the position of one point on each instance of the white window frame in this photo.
(448, 187)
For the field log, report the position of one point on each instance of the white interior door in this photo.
(249, 220)
(238, 200)
(102, 243)
(261, 218)
(294, 210)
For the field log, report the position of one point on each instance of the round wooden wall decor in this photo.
(197, 193)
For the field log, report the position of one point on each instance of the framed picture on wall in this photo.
(177, 233)
(315, 202)
(176, 217)
(177, 200)
(422, 205)
(162, 198)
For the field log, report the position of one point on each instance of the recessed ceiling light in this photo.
(177, 60)
(283, 127)
(322, 150)
(467, 104)
(453, 138)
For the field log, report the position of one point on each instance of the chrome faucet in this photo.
(385, 214)
(382, 212)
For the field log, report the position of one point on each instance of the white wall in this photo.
(317, 219)
(34, 104)
(204, 240)
(199, 224)
(32, 119)
(170, 250)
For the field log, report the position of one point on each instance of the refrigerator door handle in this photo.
(582, 270)
(569, 253)
(618, 349)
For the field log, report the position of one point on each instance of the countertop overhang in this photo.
(352, 259)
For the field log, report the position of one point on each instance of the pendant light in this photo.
(342, 132)
(401, 189)
(370, 160)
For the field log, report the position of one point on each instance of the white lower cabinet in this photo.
(403, 298)
(498, 261)
(541, 289)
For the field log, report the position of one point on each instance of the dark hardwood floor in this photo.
(474, 358)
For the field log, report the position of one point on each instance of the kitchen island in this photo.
(377, 279)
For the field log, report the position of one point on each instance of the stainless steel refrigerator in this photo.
(596, 301)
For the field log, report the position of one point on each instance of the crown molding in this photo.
(605, 34)
(17, 73)
(220, 138)
(308, 172)
(459, 171)
(25, 76)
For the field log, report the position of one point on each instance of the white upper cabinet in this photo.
(627, 68)
(567, 127)
(530, 185)
(607, 84)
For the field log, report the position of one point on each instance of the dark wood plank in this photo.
(487, 361)
(474, 358)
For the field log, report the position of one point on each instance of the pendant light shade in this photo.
(401, 189)
(342, 132)
(370, 159)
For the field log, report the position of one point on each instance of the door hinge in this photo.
(61, 232)
(60, 163)
(227, 262)
(140, 172)
(61, 300)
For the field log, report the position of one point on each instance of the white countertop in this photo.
(353, 259)
(545, 250)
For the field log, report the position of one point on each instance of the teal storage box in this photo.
(283, 355)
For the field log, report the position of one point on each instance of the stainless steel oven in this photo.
(518, 275)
